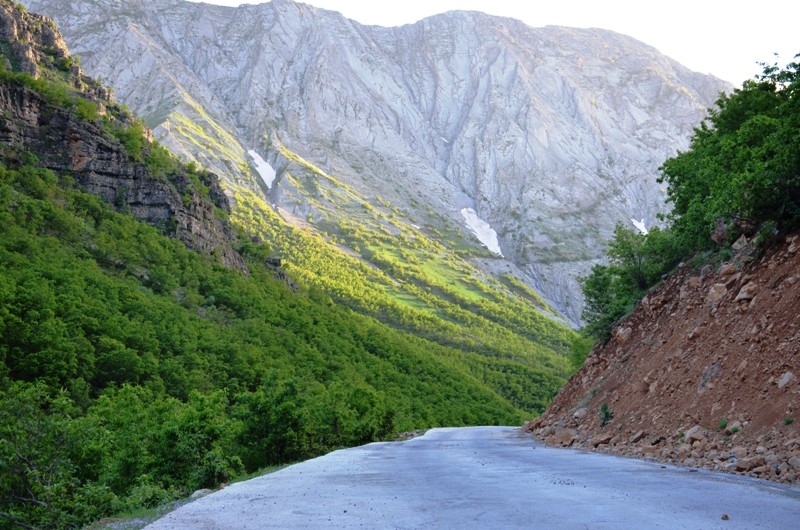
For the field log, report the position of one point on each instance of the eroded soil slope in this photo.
(704, 373)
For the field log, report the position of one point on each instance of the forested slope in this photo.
(143, 360)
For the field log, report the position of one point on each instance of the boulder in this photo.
(740, 243)
(749, 464)
(624, 334)
(716, 293)
(747, 292)
(695, 433)
(580, 413)
(636, 437)
(786, 378)
(564, 437)
(601, 439)
(738, 452)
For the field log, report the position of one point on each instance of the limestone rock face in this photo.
(28, 37)
(552, 135)
(69, 145)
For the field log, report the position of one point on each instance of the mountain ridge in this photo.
(552, 135)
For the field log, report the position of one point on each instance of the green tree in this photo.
(40, 446)
(742, 171)
(743, 166)
(636, 262)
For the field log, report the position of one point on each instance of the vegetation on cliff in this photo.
(741, 175)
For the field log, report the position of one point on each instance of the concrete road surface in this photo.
(488, 477)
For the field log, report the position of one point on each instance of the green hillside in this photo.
(125, 353)
(135, 370)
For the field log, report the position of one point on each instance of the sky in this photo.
(721, 37)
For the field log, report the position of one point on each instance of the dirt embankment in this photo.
(705, 373)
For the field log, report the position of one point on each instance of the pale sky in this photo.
(725, 38)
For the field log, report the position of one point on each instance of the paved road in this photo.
(488, 477)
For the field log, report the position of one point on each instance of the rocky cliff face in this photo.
(704, 373)
(552, 135)
(68, 144)
(25, 38)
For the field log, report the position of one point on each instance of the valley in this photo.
(239, 238)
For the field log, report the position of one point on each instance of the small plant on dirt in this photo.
(722, 424)
(788, 420)
(734, 430)
(605, 415)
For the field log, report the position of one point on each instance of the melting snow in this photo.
(482, 230)
(640, 226)
(263, 168)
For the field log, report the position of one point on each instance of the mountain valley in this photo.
(279, 233)
(152, 344)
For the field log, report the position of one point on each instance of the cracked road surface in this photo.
(488, 477)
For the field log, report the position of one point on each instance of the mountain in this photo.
(152, 344)
(698, 357)
(527, 145)
(702, 374)
(98, 157)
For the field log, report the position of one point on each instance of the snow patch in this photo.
(264, 169)
(640, 226)
(482, 230)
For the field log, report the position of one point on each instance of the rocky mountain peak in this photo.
(551, 136)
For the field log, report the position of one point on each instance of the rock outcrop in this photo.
(703, 374)
(27, 36)
(551, 135)
(68, 144)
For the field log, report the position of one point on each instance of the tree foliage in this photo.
(636, 262)
(133, 371)
(743, 165)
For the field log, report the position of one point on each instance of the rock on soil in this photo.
(703, 373)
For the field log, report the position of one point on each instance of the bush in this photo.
(605, 415)
(636, 263)
(579, 350)
(742, 173)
